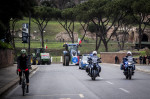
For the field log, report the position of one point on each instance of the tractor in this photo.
(40, 57)
(71, 54)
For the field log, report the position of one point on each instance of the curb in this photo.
(143, 70)
(13, 82)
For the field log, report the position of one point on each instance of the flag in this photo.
(80, 42)
(46, 47)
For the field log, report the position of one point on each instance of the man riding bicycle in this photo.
(22, 67)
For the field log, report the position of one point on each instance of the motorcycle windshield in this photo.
(130, 59)
(94, 60)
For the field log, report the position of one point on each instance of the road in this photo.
(68, 82)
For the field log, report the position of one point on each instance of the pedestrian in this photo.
(116, 59)
(148, 60)
(144, 59)
(140, 58)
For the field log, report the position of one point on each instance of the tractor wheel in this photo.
(49, 62)
(34, 62)
(39, 62)
(67, 60)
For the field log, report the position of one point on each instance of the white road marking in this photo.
(64, 98)
(81, 95)
(100, 78)
(109, 82)
(34, 72)
(124, 90)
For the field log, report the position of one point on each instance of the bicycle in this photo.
(23, 83)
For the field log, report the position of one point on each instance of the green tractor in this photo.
(40, 57)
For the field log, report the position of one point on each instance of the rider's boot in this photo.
(98, 75)
(27, 91)
(20, 81)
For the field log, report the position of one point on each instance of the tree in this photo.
(11, 10)
(67, 20)
(105, 16)
(140, 11)
(41, 16)
(50, 3)
(63, 4)
(125, 25)
(81, 14)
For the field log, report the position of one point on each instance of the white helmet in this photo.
(95, 52)
(129, 52)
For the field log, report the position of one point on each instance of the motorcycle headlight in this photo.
(129, 63)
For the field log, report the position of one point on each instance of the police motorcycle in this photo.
(128, 67)
(93, 69)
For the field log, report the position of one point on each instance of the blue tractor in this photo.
(71, 54)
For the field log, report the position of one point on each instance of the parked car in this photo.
(83, 61)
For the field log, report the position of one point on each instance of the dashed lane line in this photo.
(81, 95)
(124, 90)
(109, 82)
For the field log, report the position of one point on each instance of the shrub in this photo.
(4, 45)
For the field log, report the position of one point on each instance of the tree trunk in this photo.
(140, 37)
(72, 39)
(105, 45)
(99, 43)
(96, 43)
(42, 39)
(119, 45)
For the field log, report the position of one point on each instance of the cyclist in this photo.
(22, 64)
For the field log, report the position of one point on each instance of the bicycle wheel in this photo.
(23, 88)
(23, 85)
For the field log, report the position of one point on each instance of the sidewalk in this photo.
(143, 68)
(9, 77)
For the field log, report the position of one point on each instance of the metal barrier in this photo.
(57, 59)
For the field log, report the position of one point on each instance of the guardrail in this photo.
(57, 59)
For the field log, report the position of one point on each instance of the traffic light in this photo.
(25, 33)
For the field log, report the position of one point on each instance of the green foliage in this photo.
(147, 52)
(81, 12)
(67, 14)
(92, 28)
(4, 45)
(49, 4)
(142, 53)
(13, 9)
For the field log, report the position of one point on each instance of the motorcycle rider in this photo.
(128, 58)
(94, 55)
(22, 64)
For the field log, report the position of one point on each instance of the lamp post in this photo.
(29, 54)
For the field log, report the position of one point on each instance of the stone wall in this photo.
(109, 57)
(6, 57)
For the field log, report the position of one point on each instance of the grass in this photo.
(56, 59)
(52, 29)
(56, 48)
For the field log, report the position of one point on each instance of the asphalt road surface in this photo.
(68, 82)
